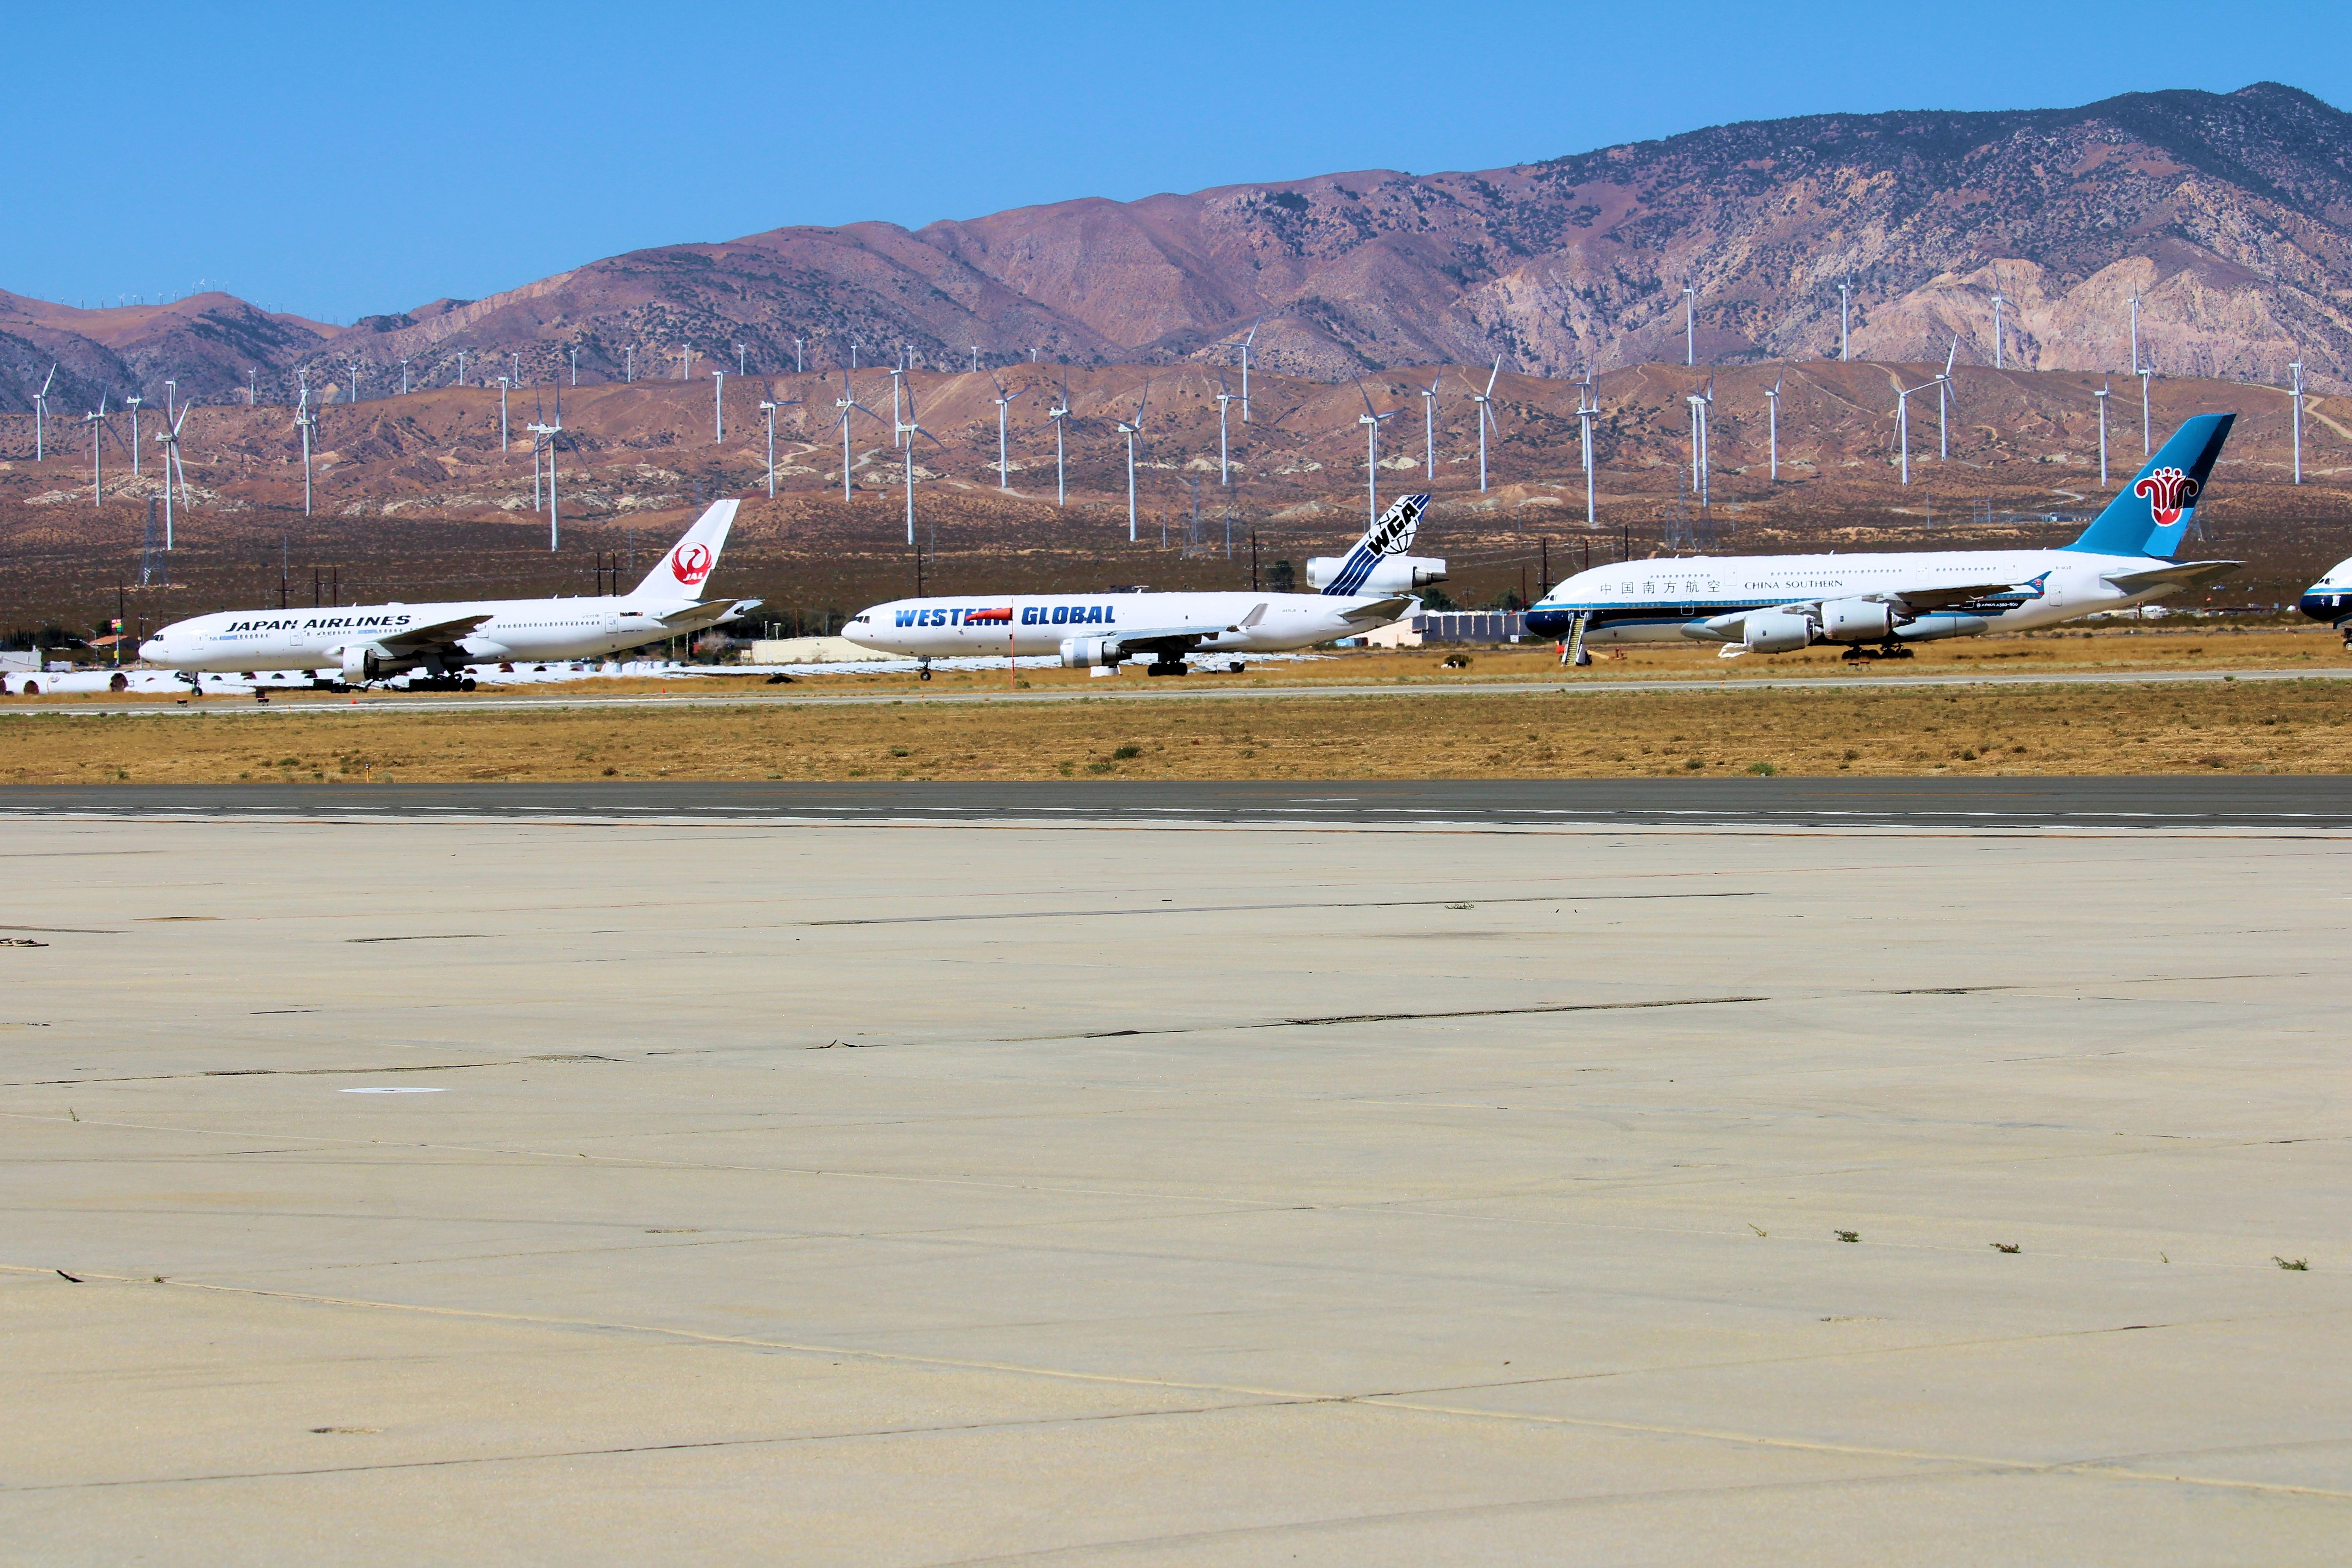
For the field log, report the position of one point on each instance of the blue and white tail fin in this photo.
(1392, 535)
(2153, 514)
(681, 573)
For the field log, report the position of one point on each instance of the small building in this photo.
(1451, 626)
(808, 650)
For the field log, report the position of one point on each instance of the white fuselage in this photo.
(1030, 623)
(1668, 600)
(517, 629)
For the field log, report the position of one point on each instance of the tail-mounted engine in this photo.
(1390, 574)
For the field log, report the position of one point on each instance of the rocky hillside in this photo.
(2229, 215)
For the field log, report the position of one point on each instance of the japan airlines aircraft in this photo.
(2330, 599)
(1774, 603)
(369, 642)
(1370, 587)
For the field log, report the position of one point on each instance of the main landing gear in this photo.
(1859, 655)
(924, 671)
(1177, 667)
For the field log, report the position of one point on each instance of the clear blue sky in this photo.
(340, 160)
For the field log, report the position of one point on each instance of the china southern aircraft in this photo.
(2330, 599)
(1874, 604)
(370, 642)
(1370, 587)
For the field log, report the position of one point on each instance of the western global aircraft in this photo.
(371, 642)
(1370, 587)
(1876, 605)
(2330, 599)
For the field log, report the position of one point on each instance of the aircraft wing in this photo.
(1380, 612)
(1171, 639)
(2181, 574)
(432, 635)
(1945, 598)
(710, 612)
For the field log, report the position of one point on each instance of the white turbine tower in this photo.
(1702, 468)
(1429, 423)
(403, 374)
(41, 416)
(169, 440)
(1690, 324)
(1057, 414)
(898, 375)
(741, 367)
(575, 369)
(97, 448)
(717, 406)
(2105, 391)
(1845, 321)
(132, 404)
(1772, 408)
(461, 367)
(1243, 344)
(1588, 409)
(307, 422)
(1943, 388)
(1485, 417)
(1225, 444)
(1997, 304)
(848, 404)
(2147, 374)
(2296, 370)
(1004, 401)
(628, 365)
(1902, 419)
(798, 367)
(504, 439)
(1370, 421)
(1131, 429)
(908, 431)
(2134, 332)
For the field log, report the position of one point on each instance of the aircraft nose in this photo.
(151, 648)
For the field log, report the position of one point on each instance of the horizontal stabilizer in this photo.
(707, 613)
(1379, 611)
(2182, 574)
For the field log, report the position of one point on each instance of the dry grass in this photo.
(2277, 726)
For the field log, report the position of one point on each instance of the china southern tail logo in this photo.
(2167, 491)
(692, 565)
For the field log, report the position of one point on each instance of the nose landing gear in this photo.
(923, 671)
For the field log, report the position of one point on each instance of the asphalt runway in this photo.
(2240, 801)
(1144, 689)
(543, 1187)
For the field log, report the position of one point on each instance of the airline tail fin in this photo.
(2152, 514)
(1391, 535)
(681, 573)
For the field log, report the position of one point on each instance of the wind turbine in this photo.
(1997, 304)
(169, 438)
(1132, 430)
(41, 414)
(355, 397)
(2104, 391)
(1004, 402)
(132, 404)
(2296, 368)
(306, 421)
(1701, 468)
(1587, 408)
(1061, 496)
(769, 407)
(1224, 404)
(96, 447)
(461, 367)
(1485, 417)
(1772, 409)
(1371, 424)
(741, 367)
(1902, 420)
(798, 368)
(575, 369)
(628, 365)
(547, 435)
(1690, 324)
(2134, 344)
(503, 440)
(847, 403)
(717, 406)
(975, 358)
(1429, 423)
(897, 374)
(1943, 386)
(2147, 373)
(1249, 338)
(1845, 319)
(909, 430)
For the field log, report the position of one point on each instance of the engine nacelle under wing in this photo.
(363, 662)
(1777, 631)
(1860, 620)
(1391, 575)
(1091, 653)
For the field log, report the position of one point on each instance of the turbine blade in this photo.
(1491, 375)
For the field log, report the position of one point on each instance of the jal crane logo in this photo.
(2168, 492)
(692, 565)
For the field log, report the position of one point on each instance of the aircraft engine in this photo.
(363, 662)
(1390, 574)
(1777, 631)
(1858, 620)
(1091, 653)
